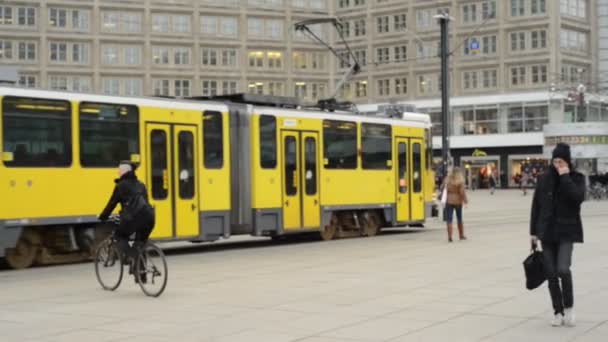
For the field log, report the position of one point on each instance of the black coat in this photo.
(127, 187)
(556, 207)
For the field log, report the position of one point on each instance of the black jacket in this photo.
(556, 207)
(127, 187)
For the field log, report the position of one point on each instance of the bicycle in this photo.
(148, 265)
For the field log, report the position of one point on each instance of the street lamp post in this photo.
(444, 18)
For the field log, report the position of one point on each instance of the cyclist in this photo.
(136, 215)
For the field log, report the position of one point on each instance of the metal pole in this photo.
(445, 96)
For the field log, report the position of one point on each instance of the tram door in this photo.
(410, 195)
(172, 182)
(300, 180)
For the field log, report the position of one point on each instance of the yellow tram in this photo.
(213, 169)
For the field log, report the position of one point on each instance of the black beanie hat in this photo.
(562, 151)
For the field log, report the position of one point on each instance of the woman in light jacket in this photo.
(456, 197)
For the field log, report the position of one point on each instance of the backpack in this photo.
(136, 205)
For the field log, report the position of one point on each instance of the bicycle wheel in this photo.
(151, 270)
(108, 265)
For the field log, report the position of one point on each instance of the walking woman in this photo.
(556, 222)
(456, 197)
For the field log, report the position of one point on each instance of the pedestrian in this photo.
(456, 197)
(556, 223)
(525, 178)
(492, 181)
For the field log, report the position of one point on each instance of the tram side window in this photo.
(417, 167)
(213, 143)
(268, 142)
(429, 148)
(36, 132)
(109, 133)
(376, 151)
(340, 144)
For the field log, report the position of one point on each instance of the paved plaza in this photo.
(403, 285)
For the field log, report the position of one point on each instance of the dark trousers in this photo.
(449, 213)
(142, 226)
(558, 258)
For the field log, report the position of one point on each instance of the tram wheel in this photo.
(330, 230)
(23, 255)
(372, 223)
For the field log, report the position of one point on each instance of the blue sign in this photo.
(474, 44)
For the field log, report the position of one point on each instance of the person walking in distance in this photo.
(456, 197)
(556, 222)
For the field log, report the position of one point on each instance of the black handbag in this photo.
(534, 268)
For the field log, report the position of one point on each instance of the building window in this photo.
(256, 59)
(209, 57)
(160, 23)
(384, 87)
(518, 8)
(133, 86)
(382, 24)
(538, 7)
(80, 53)
(6, 50)
(361, 88)
(318, 90)
(490, 78)
(469, 13)
(59, 52)
(111, 86)
(209, 87)
(400, 86)
(318, 60)
(539, 74)
(528, 118)
(229, 87)
(489, 45)
(160, 55)
(359, 27)
(401, 53)
(479, 121)
(181, 56)
(518, 76)
(70, 83)
(69, 19)
(161, 87)
(265, 28)
(425, 20)
(400, 22)
(361, 56)
(470, 80)
(539, 39)
(574, 40)
(181, 23)
(518, 41)
(488, 10)
(428, 49)
(574, 8)
(300, 90)
(27, 51)
(28, 81)
(382, 55)
(182, 88)
(275, 88)
(220, 26)
(275, 60)
(121, 22)
(428, 84)
(109, 55)
(132, 55)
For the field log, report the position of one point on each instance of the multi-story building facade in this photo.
(167, 48)
(515, 64)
